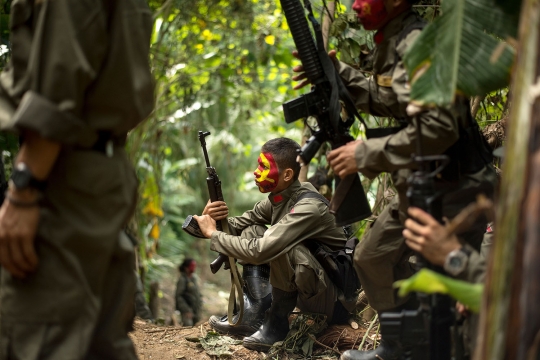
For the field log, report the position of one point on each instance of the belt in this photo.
(106, 142)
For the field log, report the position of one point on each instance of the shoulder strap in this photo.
(418, 24)
(312, 195)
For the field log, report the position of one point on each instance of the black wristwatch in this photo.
(22, 178)
(456, 261)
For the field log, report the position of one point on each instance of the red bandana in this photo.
(371, 13)
(278, 198)
(267, 174)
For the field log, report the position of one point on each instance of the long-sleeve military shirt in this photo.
(386, 93)
(291, 222)
(77, 67)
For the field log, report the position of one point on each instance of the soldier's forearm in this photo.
(39, 154)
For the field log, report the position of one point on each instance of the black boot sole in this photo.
(226, 329)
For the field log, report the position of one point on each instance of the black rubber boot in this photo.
(276, 322)
(387, 350)
(257, 299)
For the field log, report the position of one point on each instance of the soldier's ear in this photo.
(288, 174)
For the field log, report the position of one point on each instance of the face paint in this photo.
(267, 174)
(192, 266)
(371, 13)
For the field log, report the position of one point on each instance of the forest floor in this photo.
(172, 342)
(154, 342)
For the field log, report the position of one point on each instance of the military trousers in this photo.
(79, 303)
(298, 270)
(382, 256)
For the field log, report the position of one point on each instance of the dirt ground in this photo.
(175, 342)
(172, 342)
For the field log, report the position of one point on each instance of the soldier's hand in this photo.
(18, 226)
(427, 236)
(217, 210)
(301, 75)
(342, 159)
(206, 224)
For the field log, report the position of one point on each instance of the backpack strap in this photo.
(312, 195)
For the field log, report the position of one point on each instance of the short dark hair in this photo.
(284, 151)
(185, 264)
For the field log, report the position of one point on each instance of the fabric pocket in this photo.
(91, 172)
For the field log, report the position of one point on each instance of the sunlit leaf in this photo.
(429, 282)
(154, 232)
(270, 39)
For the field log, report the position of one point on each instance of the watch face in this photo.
(456, 262)
(21, 176)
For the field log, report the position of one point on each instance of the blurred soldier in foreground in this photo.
(188, 294)
(78, 81)
(382, 256)
(295, 220)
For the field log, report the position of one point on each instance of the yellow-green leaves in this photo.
(462, 51)
(429, 282)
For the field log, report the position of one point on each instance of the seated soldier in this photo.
(296, 277)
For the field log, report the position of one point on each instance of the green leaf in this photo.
(461, 51)
(429, 282)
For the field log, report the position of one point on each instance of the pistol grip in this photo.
(191, 226)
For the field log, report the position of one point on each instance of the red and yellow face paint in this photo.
(267, 174)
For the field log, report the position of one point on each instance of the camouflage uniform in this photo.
(381, 258)
(79, 76)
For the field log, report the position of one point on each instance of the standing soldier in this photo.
(382, 256)
(188, 294)
(78, 81)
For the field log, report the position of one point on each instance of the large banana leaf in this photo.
(461, 51)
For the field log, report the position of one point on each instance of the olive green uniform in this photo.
(188, 298)
(78, 75)
(292, 266)
(381, 258)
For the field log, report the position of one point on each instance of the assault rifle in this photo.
(214, 189)
(424, 333)
(191, 226)
(323, 104)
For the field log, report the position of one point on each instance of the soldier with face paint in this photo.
(296, 277)
(381, 258)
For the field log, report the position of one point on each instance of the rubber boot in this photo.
(257, 299)
(276, 322)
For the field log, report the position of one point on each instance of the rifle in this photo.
(424, 333)
(323, 103)
(214, 190)
(192, 227)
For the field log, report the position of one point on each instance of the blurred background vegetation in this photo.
(224, 67)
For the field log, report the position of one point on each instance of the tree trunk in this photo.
(153, 302)
(511, 320)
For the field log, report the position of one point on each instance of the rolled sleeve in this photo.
(55, 60)
(37, 113)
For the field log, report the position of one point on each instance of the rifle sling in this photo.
(237, 287)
